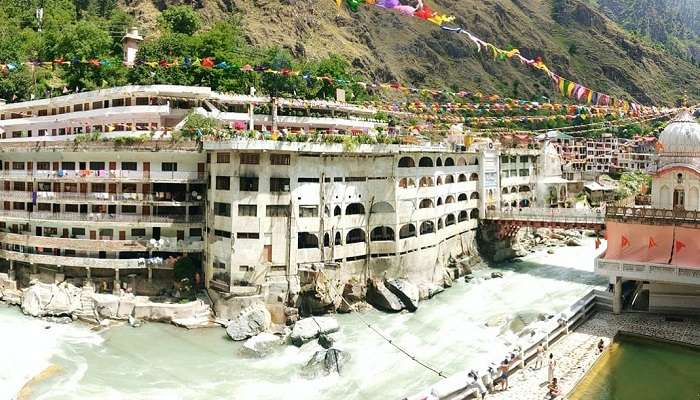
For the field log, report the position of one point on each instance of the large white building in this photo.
(652, 259)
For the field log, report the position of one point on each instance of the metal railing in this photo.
(103, 174)
(648, 214)
(138, 197)
(99, 217)
(647, 271)
(567, 215)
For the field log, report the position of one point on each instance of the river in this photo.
(159, 361)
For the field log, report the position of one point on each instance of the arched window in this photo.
(514, 189)
(426, 203)
(381, 207)
(327, 211)
(474, 213)
(307, 240)
(462, 216)
(326, 240)
(504, 191)
(407, 231)
(438, 162)
(449, 162)
(438, 181)
(450, 199)
(474, 161)
(462, 197)
(449, 219)
(337, 240)
(474, 176)
(440, 224)
(474, 196)
(427, 227)
(356, 235)
(406, 162)
(337, 211)
(425, 181)
(354, 209)
(439, 201)
(461, 161)
(425, 162)
(381, 233)
(462, 178)
(449, 179)
(514, 203)
(524, 188)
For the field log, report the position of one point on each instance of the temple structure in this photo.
(653, 254)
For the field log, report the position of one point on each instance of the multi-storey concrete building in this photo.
(96, 190)
(636, 154)
(600, 153)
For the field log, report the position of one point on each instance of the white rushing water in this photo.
(159, 361)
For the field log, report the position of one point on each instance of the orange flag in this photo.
(679, 245)
(652, 243)
(625, 242)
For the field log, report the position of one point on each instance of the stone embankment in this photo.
(66, 300)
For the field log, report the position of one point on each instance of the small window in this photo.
(72, 208)
(248, 184)
(68, 165)
(129, 166)
(279, 159)
(99, 188)
(222, 234)
(222, 209)
(129, 209)
(17, 165)
(78, 231)
(247, 210)
(277, 211)
(128, 188)
(247, 235)
(138, 232)
(168, 167)
(308, 180)
(223, 183)
(308, 211)
(97, 165)
(356, 179)
(223, 158)
(196, 232)
(279, 184)
(43, 166)
(250, 158)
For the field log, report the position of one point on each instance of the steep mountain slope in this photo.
(574, 38)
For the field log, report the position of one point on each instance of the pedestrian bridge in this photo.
(508, 222)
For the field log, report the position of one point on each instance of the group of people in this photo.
(552, 384)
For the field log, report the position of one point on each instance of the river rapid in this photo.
(466, 326)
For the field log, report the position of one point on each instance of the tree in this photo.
(180, 19)
(81, 40)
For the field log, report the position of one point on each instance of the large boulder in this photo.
(42, 299)
(250, 322)
(426, 290)
(262, 343)
(406, 292)
(309, 328)
(382, 298)
(352, 294)
(325, 362)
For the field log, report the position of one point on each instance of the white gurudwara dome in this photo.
(682, 135)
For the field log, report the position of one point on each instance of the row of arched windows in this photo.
(359, 209)
(428, 181)
(307, 240)
(409, 162)
(516, 189)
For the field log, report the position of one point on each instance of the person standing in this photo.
(551, 367)
(504, 374)
(539, 358)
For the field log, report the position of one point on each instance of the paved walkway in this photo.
(576, 352)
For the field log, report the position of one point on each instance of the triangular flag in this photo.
(625, 242)
(652, 243)
(679, 245)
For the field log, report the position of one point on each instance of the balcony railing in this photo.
(656, 215)
(109, 197)
(105, 243)
(568, 215)
(104, 174)
(99, 217)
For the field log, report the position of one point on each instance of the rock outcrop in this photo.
(382, 298)
(325, 362)
(262, 343)
(250, 322)
(406, 292)
(308, 329)
(426, 290)
(42, 299)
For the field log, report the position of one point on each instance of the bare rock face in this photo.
(406, 292)
(426, 290)
(309, 328)
(42, 299)
(382, 298)
(262, 343)
(352, 295)
(325, 362)
(250, 322)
